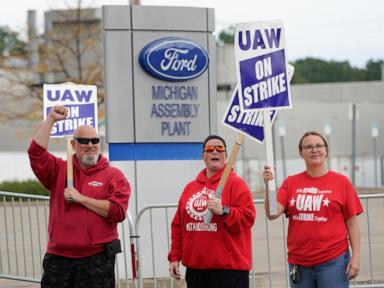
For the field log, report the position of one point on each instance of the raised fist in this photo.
(58, 112)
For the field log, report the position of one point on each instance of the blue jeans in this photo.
(331, 274)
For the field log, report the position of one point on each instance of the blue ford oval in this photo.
(173, 59)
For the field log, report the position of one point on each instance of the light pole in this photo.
(353, 116)
(327, 132)
(282, 133)
(375, 135)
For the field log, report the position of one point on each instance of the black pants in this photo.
(96, 271)
(199, 278)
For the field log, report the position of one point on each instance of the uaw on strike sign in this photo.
(262, 66)
(263, 77)
(81, 101)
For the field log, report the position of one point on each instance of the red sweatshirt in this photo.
(75, 231)
(225, 243)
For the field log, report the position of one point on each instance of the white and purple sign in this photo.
(173, 59)
(262, 66)
(249, 122)
(81, 101)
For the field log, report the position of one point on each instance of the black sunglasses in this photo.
(85, 141)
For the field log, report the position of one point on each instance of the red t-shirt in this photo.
(317, 209)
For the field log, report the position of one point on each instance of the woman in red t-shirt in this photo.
(322, 207)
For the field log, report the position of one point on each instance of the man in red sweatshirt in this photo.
(83, 219)
(218, 254)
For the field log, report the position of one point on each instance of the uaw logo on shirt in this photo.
(308, 202)
(197, 204)
(197, 209)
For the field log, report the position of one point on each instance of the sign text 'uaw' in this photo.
(173, 59)
(261, 66)
(81, 101)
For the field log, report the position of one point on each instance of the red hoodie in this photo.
(225, 243)
(75, 231)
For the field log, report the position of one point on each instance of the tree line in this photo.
(307, 70)
(312, 70)
(65, 51)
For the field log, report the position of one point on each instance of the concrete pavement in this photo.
(7, 283)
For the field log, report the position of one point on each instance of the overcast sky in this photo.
(328, 29)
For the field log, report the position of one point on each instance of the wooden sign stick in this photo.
(224, 177)
(69, 163)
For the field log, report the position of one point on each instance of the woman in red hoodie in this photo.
(217, 254)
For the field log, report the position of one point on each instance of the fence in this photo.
(23, 238)
(268, 246)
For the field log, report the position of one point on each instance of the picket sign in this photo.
(81, 102)
(263, 76)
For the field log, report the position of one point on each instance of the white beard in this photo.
(89, 160)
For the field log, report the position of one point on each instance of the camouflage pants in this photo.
(96, 271)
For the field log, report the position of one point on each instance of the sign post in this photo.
(69, 163)
(270, 161)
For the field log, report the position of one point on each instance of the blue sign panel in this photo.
(173, 59)
(264, 81)
(249, 122)
(79, 115)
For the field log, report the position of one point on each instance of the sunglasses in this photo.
(85, 141)
(211, 148)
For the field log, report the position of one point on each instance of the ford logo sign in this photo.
(173, 59)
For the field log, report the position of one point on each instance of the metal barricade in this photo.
(23, 240)
(268, 246)
(23, 235)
